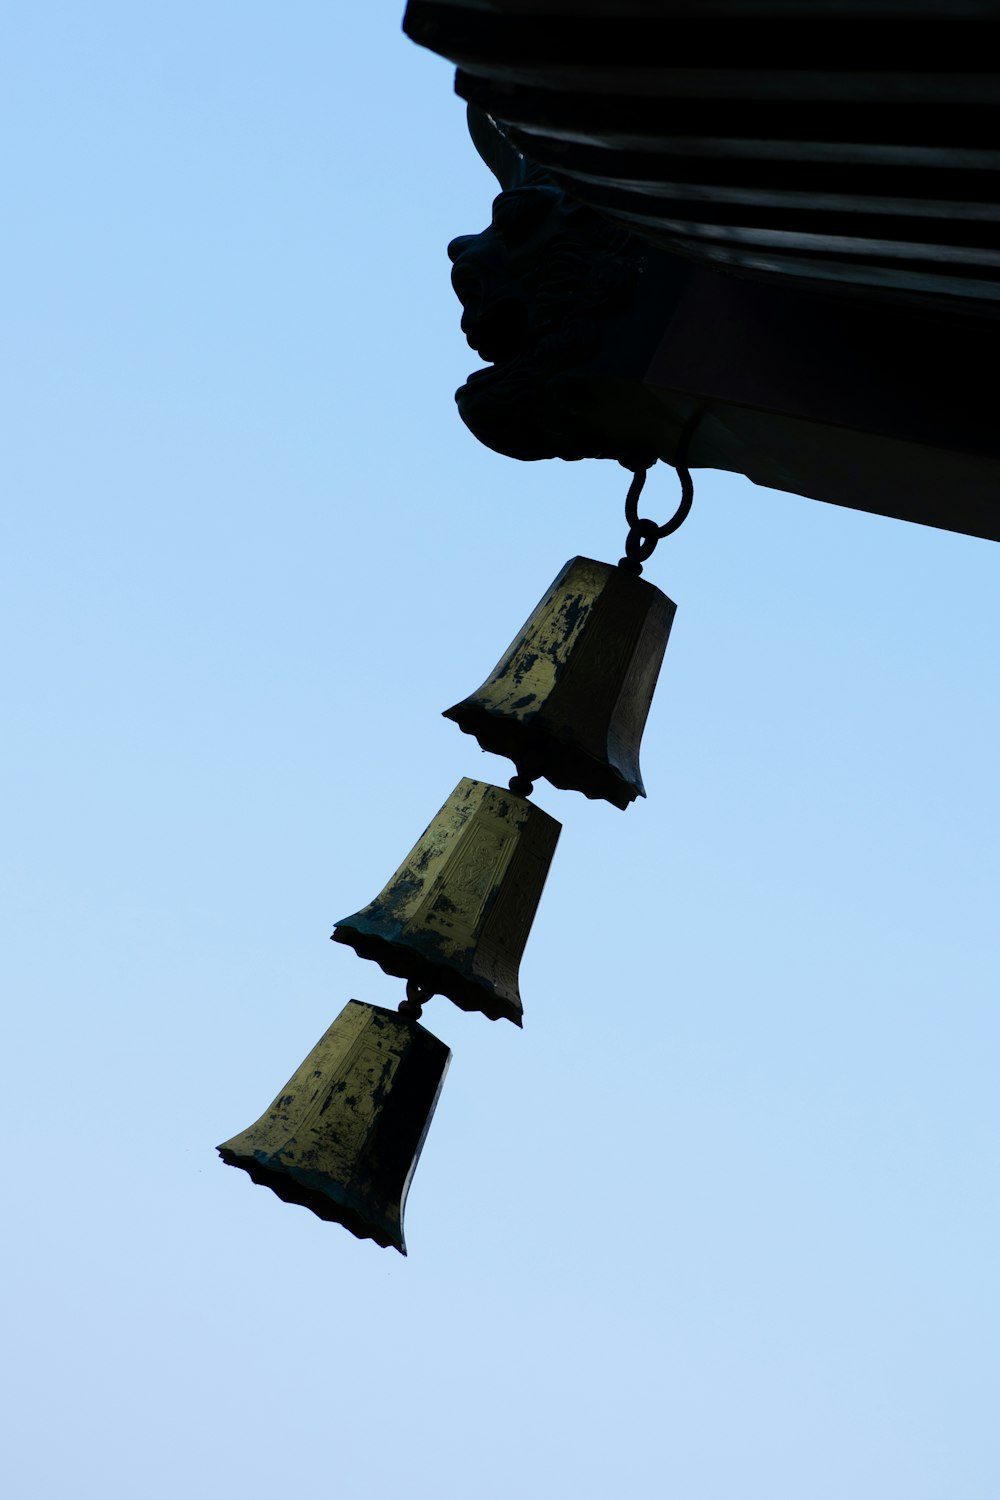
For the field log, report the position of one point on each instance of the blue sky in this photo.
(722, 1221)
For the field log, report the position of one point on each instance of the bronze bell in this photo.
(456, 915)
(344, 1135)
(569, 698)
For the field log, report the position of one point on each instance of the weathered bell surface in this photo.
(456, 915)
(569, 698)
(344, 1135)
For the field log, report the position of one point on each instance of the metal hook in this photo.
(643, 534)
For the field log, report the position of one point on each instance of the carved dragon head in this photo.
(535, 287)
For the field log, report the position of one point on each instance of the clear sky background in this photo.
(722, 1222)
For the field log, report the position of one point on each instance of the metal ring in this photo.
(642, 539)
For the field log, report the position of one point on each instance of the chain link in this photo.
(643, 534)
(417, 996)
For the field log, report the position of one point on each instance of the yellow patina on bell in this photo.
(456, 915)
(570, 697)
(344, 1135)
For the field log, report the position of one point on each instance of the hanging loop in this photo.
(417, 996)
(643, 534)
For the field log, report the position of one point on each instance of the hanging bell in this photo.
(569, 698)
(456, 915)
(344, 1135)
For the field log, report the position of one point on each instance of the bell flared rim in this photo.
(315, 1191)
(546, 754)
(404, 960)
